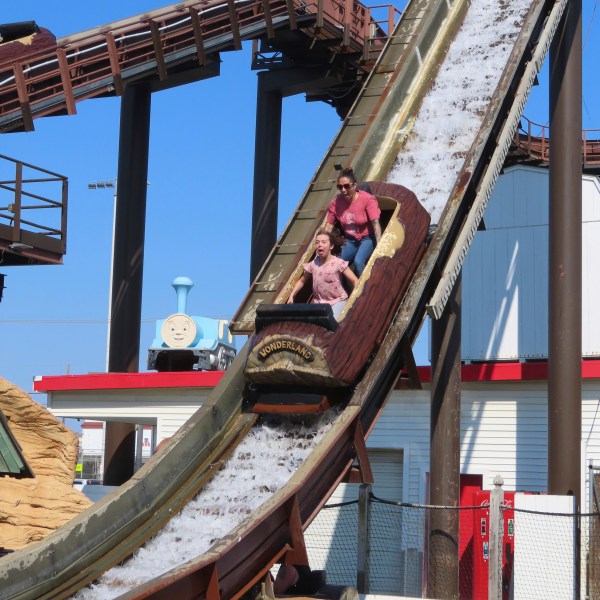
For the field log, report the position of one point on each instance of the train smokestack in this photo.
(182, 286)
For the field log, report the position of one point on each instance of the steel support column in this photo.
(444, 472)
(273, 86)
(266, 172)
(126, 304)
(564, 335)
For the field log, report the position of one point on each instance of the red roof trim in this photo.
(126, 381)
(491, 371)
(512, 371)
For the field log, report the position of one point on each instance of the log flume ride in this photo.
(372, 136)
(300, 359)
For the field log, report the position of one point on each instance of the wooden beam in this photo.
(266, 4)
(348, 7)
(362, 454)
(23, 97)
(297, 553)
(158, 50)
(366, 34)
(411, 366)
(235, 26)
(65, 77)
(16, 233)
(198, 37)
(320, 10)
(292, 14)
(212, 591)
(115, 67)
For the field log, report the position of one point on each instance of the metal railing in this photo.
(534, 139)
(98, 62)
(33, 207)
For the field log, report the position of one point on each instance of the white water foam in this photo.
(453, 110)
(262, 464)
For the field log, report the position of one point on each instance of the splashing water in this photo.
(262, 464)
(453, 110)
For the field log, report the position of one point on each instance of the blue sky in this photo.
(53, 319)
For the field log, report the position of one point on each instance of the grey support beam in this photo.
(126, 302)
(564, 335)
(444, 475)
(266, 172)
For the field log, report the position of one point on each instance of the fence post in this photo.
(496, 535)
(362, 558)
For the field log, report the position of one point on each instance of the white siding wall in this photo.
(503, 430)
(92, 441)
(167, 409)
(391, 431)
(590, 272)
(339, 559)
(505, 276)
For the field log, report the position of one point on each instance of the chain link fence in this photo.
(540, 556)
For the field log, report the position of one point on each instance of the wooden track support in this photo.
(113, 57)
(297, 553)
(65, 78)
(198, 37)
(268, 19)
(363, 473)
(23, 97)
(408, 358)
(213, 593)
(235, 26)
(292, 14)
(158, 50)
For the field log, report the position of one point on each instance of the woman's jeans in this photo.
(358, 251)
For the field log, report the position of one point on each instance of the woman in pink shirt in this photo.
(357, 213)
(326, 271)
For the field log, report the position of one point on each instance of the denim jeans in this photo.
(358, 251)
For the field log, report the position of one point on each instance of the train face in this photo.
(186, 343)
(300, 359)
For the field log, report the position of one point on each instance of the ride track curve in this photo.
(370, 139)
(175, 45)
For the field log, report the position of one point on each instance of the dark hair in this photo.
(348, 172)
(335, 237)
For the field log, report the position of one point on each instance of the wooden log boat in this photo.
(300, 359)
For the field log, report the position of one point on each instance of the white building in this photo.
(505, 318)
(504, 399)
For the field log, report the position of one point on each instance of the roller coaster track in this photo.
(174, 45)
(163, 48)
(532, 145)
(369, 139)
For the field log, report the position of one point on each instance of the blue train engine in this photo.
(186, 343)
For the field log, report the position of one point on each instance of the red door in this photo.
(469, 486)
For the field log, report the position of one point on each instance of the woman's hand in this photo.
(290, 300)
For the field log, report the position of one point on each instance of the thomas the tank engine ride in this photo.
(187, 343)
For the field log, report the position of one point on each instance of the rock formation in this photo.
(32, 508)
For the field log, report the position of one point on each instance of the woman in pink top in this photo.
(357, 213)
(326, 271)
